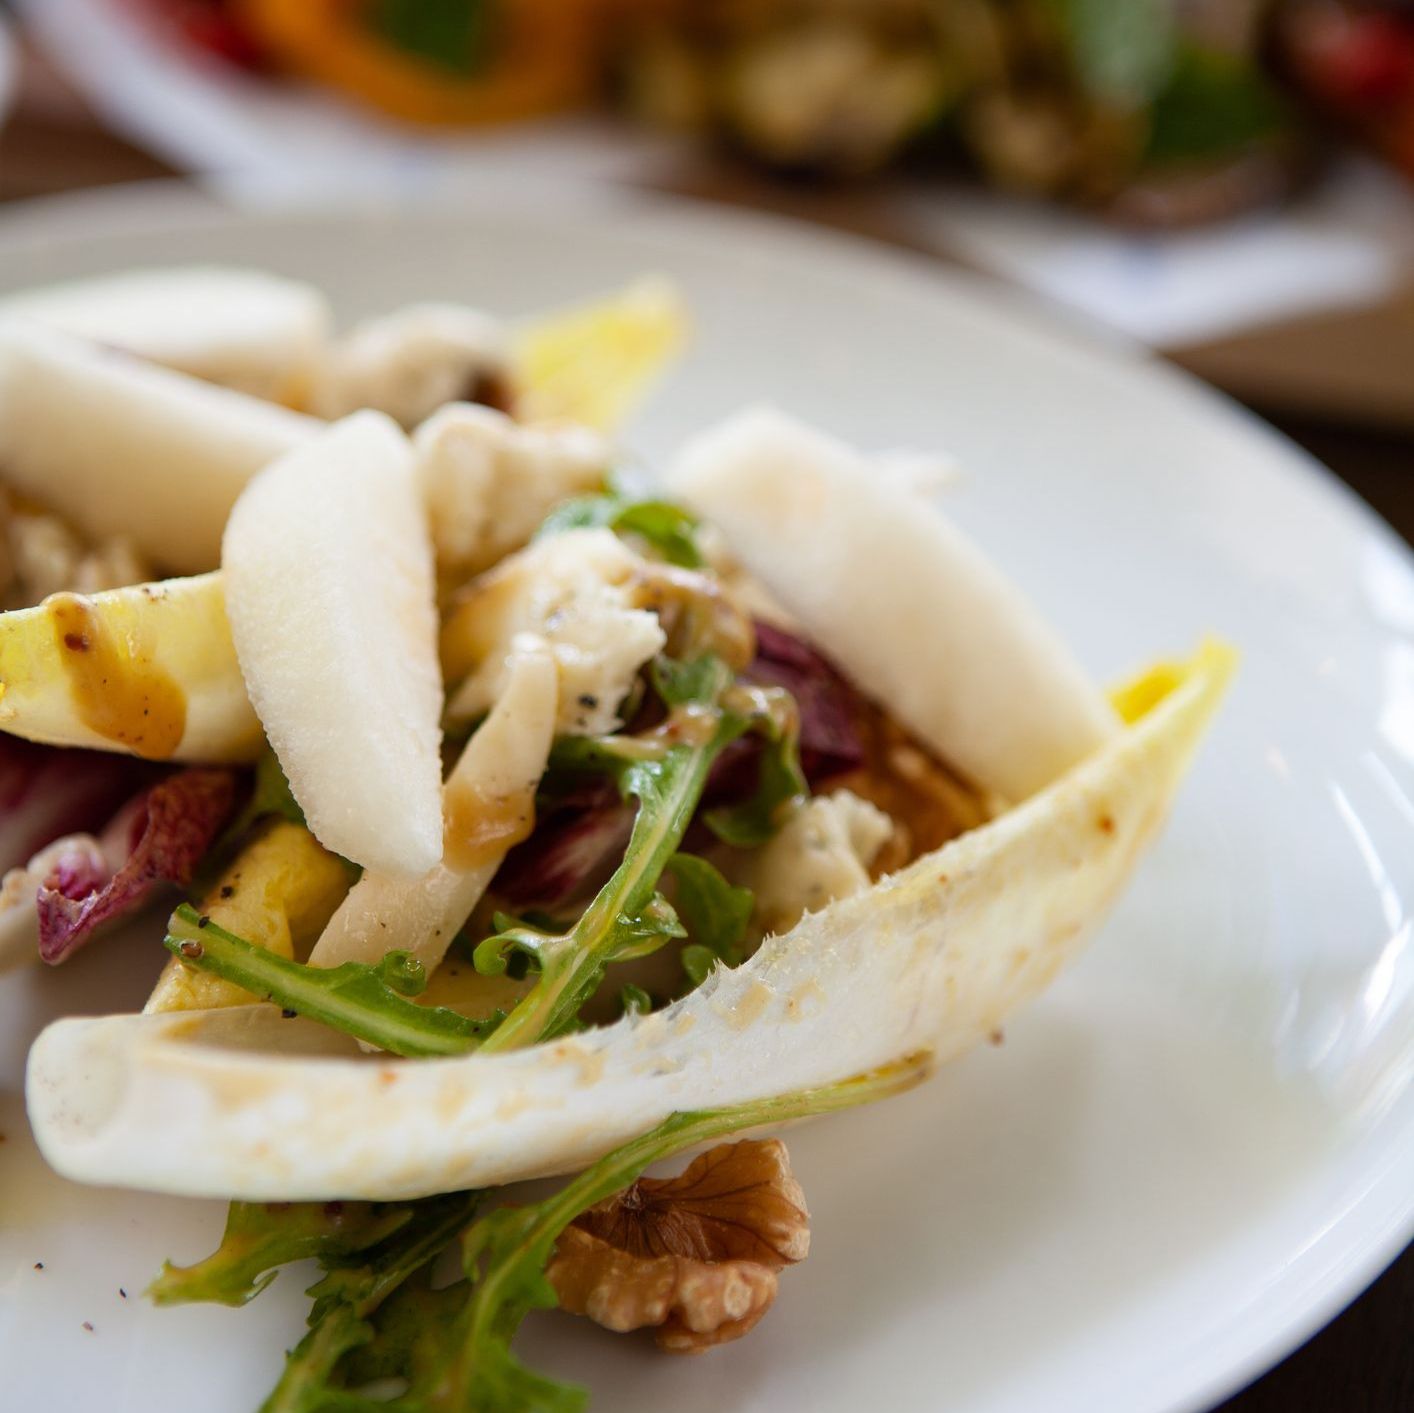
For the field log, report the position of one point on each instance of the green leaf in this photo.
(780, 786)
(716, 913)
(1215, 104)
(697, 962)
(369, 1002)
(696, 683)
(628, 918)
(260, 1237)
(593, 512)
(634, 1000)
(1123, 50)
(665, 529)
(505, 1253)
(375, 1315)
(454, 35)
(346, 1301)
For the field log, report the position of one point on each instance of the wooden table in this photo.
(1364, 1361)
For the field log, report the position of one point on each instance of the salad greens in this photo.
(262, 1236)
(667, 529)
(714, 912)
(369, 1002)
(629, 917)
(666, 771)
(376, 1315)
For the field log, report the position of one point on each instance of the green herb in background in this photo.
(1213, 104)
(455, 35)
(1123, 50)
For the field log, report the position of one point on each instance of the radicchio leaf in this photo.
(829, 706)
(578, 841)
(47, 792)
(580, 835)
(158, 837)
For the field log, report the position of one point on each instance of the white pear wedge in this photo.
(123, 447)
(931, 959)
(245, 329)
(489, 805)
(149, 670)
(864, 564)
(329, 591)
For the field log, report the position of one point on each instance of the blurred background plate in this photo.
(1294, 270)
(1200, 1144)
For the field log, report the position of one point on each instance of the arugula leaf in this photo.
(697, 963)
(781, 783)
(716, 913)
(668, 529)
(261, 1236)
(628, 917)
(375, 1314)
(348, 1296)
(369, 1002)
(505, 1253)
(634, 1000)
(271, 795)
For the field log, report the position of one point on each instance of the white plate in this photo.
(1201, 1142)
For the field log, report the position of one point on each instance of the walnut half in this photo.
(695, 1256)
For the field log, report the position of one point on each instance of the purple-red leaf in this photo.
(580, 837)
(578, 841)
(829, 706)
(47, 792)
(159, 837)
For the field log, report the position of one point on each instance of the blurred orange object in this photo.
(441, 61)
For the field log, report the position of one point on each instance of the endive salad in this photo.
(516, 812)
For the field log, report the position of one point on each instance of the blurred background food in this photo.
(1156, 111)
(1196, 174)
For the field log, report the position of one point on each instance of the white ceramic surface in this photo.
(1196, 1147)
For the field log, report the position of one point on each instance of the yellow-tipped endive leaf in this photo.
(844, 549)
(933, 958)
(148, 670)
(330, 593)
(596, 363)
(123, 447)
(245, 329)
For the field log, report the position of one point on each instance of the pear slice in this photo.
(245, 329)
(148, 670)
(848, 552)
(489, 805)
(123, 447)
(932, 958)
(329, 591)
